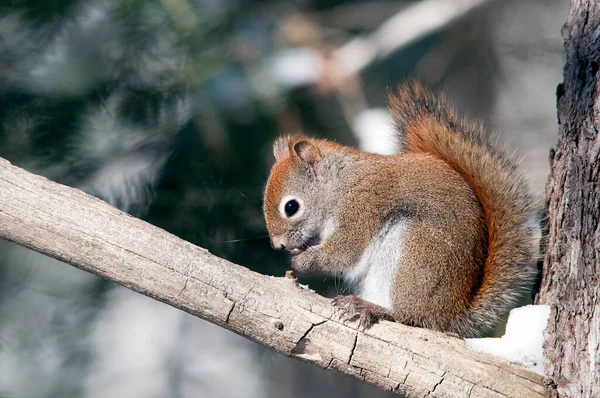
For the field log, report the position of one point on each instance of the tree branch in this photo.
(403, 28)
(81, 230)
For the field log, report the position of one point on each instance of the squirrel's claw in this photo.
(352, 308)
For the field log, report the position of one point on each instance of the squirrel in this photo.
(439, 235)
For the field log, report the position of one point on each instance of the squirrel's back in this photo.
(426, 124)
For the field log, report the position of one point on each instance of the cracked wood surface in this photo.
(81, 230)
(571, 273)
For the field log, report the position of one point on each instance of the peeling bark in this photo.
(87, 233)
(571, 272)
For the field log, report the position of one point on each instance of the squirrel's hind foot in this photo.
(353, 308)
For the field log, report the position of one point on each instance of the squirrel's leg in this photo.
(438, 276)
(351, 307)
(341, 251)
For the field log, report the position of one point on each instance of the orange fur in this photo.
(427, 125)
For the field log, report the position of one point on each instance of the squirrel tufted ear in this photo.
(281, 147)
(307, 152)
(297, 144)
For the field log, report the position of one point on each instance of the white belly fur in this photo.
(373, 276)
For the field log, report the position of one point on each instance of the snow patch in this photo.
(523, 341)
(305, 287)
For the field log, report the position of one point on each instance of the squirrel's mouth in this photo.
(307, 244)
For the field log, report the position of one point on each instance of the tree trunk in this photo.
(571, 273)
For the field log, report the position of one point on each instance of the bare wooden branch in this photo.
(402, 29)
(571, 274)
(69, 225)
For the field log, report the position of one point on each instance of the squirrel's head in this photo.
(299, 202)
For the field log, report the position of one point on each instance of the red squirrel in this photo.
(438, 235)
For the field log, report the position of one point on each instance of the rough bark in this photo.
(86, 232)
(571, 272)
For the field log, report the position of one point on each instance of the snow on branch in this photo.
(76, 228)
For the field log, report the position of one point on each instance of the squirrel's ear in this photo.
(307, 152)
(281, 147)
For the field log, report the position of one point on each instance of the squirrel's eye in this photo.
(291, 207)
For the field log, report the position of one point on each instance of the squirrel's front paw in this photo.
(351, 308)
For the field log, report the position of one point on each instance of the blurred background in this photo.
(167, 109)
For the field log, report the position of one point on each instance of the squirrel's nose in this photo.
(277, 243)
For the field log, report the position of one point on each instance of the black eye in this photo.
(291, 207)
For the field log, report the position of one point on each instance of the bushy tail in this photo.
(426, 124)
